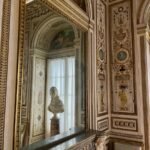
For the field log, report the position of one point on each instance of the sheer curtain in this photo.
(61, 74)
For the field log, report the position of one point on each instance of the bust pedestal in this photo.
(54, 126)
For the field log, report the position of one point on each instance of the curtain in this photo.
(61, 74)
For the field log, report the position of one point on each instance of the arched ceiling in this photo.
(48, 33)
(45, 25)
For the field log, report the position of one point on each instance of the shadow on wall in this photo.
(119, 146)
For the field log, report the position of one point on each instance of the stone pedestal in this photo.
(54, 126)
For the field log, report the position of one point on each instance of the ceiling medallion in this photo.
(122, 56)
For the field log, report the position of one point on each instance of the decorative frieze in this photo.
(101, 59)
(103, 124)
(122, 58)
(124, 124)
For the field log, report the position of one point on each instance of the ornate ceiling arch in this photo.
(47, 30)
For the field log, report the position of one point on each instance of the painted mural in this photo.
(38, 99)
(122, 69)
(101, 59)
(63, 39)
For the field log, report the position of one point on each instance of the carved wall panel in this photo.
(124, 124)
(122, 58)
(103, 124)
(38, 99)
(101, 59)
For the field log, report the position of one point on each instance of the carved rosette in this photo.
(101, 59)
(122, 58)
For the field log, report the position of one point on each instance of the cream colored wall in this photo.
(119, 146)
(143, 70)
(138, 4)
(148, 81)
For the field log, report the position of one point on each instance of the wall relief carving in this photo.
(103, 124)
(122, 59)
(124, 124)
(101, 59)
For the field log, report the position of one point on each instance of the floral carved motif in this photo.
(101, 58)
(122, 58)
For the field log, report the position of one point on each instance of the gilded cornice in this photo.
(71, 12)
(19, 74)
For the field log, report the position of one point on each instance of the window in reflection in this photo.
(54, 69)
(61, 74)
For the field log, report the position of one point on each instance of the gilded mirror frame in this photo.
(85, 22)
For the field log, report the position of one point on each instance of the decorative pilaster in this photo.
(17, 131)
(4, 65)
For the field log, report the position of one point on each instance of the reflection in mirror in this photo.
(53, 88)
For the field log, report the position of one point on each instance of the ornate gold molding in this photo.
(19, 74)
(4, 66)
(65, 9)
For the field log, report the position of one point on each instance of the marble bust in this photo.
(56, 105)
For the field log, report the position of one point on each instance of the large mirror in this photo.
(53, 97)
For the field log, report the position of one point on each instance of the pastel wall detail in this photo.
(122, 61)
(101, 61)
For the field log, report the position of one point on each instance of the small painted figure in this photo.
(123, 98)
